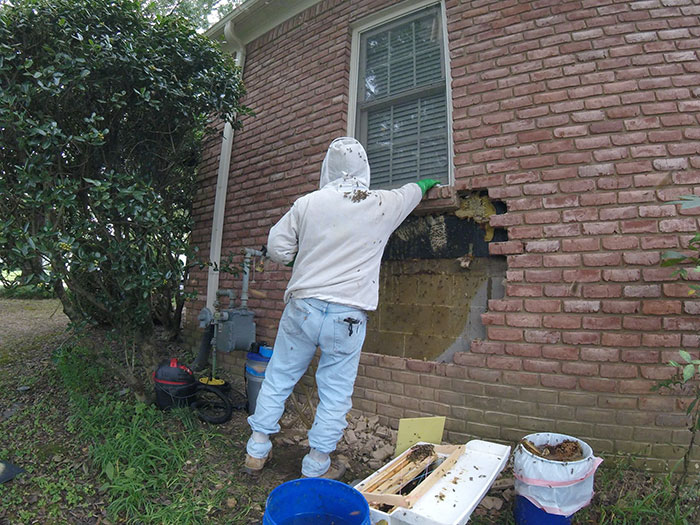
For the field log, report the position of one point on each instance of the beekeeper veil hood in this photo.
(345, 163)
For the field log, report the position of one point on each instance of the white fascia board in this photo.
(254, 18)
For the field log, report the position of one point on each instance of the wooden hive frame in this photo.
(383, 486)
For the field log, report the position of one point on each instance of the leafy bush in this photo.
(104, 108)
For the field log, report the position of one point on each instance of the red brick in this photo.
(621, 339)
(600, 228)
(601, 259)
(529, 260)
(620, 242)
(633, 196)
(580, 215)
(557, 381)
(580, 369)
(523, 350)
(581, 306)
(641, 323)
(602, 323)
(505, 248)
(562, 353)
(644, 290)
(661, 340)
(592, 384)
(487, 347)
(620, 307)
(678, 225)
(618, 371)
(619, 182)
(558, 260)
(504, 363)
(387, 361)
(580, 245)
(542, 305)
(598, 199)
(601, 291)
(525, 232)
(467, 359)
(597, 170)
(611, 355)
(562, 230)
(540, 189)
(641, 258)
(581, 276)
(576, 186)
(659, 274)
(621, 275)
(504, 334)
(640, 356)
(561, 201)
(676, 290)
(543, 276)
(623, 212)
(580, 338)
(542, 336)
(522, 320)
(681, 323)
(505, 305)
(634, 387)
(639, 226)
(566, 322)
(542, 217)
(542, 246)
(492, 318)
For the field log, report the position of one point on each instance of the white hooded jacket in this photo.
(338, 233)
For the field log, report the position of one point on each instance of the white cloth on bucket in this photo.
(557, 487)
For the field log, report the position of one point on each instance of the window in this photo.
(401, 100)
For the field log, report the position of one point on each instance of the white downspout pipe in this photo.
(217, 227)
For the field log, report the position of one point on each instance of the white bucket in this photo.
(557, 487)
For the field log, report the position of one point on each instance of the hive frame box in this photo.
(449, 495)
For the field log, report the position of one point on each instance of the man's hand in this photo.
(426, 184)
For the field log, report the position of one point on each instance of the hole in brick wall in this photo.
(436, 279)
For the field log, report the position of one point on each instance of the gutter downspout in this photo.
(217, 227)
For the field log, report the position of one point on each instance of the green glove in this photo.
(426, 184)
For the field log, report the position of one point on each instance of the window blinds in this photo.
(402, 112)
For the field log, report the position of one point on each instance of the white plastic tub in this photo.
(454, 497)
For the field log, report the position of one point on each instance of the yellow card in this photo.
(415, 429)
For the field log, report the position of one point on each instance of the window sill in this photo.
(438, 200)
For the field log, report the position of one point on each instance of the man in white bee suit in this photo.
(334, 239)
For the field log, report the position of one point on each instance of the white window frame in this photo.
(383, 17)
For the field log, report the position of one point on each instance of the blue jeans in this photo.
(307, 323)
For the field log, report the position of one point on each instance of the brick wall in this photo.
(580, 116)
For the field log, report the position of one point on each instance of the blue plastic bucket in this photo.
(526, 513)
(315, 501)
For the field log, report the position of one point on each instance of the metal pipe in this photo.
(248, 253)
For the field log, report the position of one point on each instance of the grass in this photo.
(150, 461)
(92, 454)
